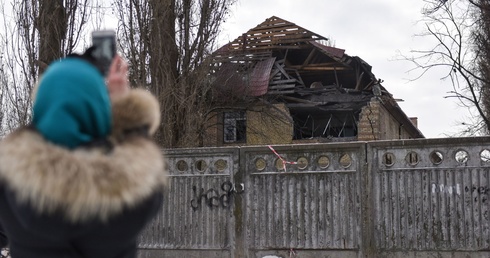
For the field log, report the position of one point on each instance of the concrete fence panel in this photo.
(302, 199)
(431, 197)
(407, 198)
(197, 216)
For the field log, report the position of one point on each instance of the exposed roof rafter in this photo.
(273, 32)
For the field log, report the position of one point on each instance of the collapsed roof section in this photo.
(281, 61)
(279, 57)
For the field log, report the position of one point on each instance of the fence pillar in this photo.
(368, 245)
(239, 247)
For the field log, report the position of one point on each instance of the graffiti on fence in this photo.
(450, 189)
(222, 197)
(478, 190)
(482, 192)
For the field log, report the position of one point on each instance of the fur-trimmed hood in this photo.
(88, 182)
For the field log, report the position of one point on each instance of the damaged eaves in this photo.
(327, 98)
(282, 62)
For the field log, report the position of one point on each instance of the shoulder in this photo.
(136, 111)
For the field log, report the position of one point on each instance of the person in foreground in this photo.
(85, 177)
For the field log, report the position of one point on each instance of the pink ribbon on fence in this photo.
(284, 162)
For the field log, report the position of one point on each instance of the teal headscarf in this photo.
(72, 105)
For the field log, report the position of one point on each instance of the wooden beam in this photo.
(280, 92)
(282, 81)
(308, 59)
(325, 68)
(299, 100)
(281, 69)
(264, 47)
(329, 64)
(272, 40)
(280, 87)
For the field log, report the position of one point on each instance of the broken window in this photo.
(327, 125)
(234, 127)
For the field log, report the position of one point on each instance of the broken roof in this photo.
(280, 59)
(273, 32)
(302, 53)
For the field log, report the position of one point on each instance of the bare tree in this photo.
(460, 31)
(481, 37)
(34, 34)
(166, 43)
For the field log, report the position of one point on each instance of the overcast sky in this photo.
(374, 30)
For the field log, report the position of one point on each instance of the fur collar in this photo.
(87, 183)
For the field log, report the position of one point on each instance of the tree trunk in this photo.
(52, 27)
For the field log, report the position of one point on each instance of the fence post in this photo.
(368, 246)
(239, 178)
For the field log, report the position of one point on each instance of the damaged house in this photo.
(282, 84)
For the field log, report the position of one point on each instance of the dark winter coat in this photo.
(3, 238)
(88, 202)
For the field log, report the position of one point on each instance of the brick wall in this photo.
(269, 125)
(369, 122)
(265, 125)
(272, 125)
(376, 123)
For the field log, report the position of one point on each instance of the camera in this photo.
(104, 42)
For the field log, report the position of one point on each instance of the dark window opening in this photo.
(328, 125)
(234, 127)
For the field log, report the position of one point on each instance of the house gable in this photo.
(323, 88)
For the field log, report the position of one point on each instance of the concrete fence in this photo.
(407, 198)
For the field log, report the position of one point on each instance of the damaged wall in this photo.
(274, 125)
(265, 125)
(376, 123)
(269, 125)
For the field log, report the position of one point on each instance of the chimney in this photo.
(414, 121)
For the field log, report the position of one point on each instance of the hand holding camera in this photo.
(112, 65)
(104, 42)
(117, 78)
